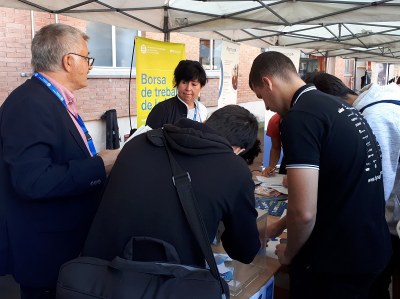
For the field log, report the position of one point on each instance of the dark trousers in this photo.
(380, 288)
(37, 293)
(306, 284)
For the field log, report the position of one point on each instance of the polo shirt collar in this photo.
(300, 91)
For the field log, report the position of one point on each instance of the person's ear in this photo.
(267, 82)
(67, 62)
(238, 150)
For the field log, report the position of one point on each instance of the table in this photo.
(269, 266)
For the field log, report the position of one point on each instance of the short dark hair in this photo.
(238, 126)
(252, 153)
(330, 84)
(189, 70)
(270, 64)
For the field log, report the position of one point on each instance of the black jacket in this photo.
(140, 198)
(49, 186)
(166, 112)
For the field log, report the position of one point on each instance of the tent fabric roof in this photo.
(361, 29)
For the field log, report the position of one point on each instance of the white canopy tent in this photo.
(366, 30)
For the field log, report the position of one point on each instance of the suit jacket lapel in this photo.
(74, 130)
(77, 136)
(68, 120)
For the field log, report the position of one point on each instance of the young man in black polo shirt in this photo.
(338, 240)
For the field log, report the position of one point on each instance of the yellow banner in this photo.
(155, 65)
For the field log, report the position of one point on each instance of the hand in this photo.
(284, 181)
(269, 171)
(280, 252)
(109, 157)
(262, 231)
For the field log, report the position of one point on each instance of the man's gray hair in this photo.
(51, 43)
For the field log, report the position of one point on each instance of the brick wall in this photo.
(15, 40)
(246, 56)
(192, 44)
(104, 94)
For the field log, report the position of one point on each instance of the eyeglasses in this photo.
(90, 60)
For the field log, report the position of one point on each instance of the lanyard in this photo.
(195, 112)
(79, 120)
(196, 109)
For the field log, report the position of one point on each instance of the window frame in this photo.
(210, 71)
(348, 67)
(113, 71)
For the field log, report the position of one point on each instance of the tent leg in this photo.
(166, 36)
(166, 32)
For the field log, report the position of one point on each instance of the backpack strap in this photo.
(378, 102)
(182, 182)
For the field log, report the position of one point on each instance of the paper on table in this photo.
(266, 191)
(280, 188)
(274, 182)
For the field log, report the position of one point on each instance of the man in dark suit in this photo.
(50, 172)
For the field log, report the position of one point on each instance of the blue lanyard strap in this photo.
(79, 120)
(195, 112)
(196, 109)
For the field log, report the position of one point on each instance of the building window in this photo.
(124, 43)
(348, 67)
(210, 54)
(111, 46)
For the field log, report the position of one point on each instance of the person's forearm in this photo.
(274, 157)
(275, 229)
(299, 229)
(302, 208)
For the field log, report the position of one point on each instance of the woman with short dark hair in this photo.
(189, 79)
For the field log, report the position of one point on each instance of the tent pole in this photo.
(355, 74)
(326, 61)
(166, 36)
(165, 29)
